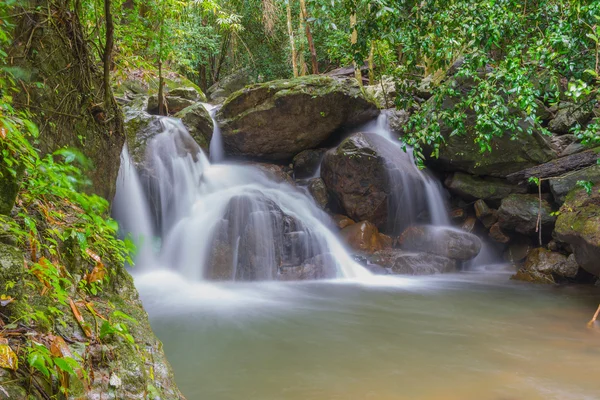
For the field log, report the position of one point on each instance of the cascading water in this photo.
(227, 221)
(216, 152)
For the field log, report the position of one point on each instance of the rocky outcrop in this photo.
(319, 192)
(356, 174)
(442, 241)
(199, 124)
(277, 120)
(146, 82)
(173, 104)
(318, 267)
(578, 224)
(545, 266)
(412, 263)
(568, 115)
(561, 186)
(519, 213)
(492, 190)
(307, 162)
(384, 92)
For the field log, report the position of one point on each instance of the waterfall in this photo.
(225, 221)
(216, 151)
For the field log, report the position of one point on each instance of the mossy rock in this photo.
(146, 81)
(9, 188)
(199, 124)
(492, 190)
(519, 213)
(578, 224)
(11, 270)
(276, 120)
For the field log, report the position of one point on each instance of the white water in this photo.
(216, 152)
(223, 221)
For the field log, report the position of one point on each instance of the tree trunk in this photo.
(309, 38)
(303, 69)
(108, 48)
(291, 35)
(354, 40)
(372, 64)
(557, 167)
(161, 93)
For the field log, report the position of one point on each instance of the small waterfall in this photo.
(216, 151)
(227, 221)
(408, 195)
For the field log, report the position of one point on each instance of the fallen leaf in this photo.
(8, 358)
(58, 347)
(84, 326)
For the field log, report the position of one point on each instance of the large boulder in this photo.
(412, 263)
(568, 115)
(278, 119)
(307, 162)
(471, 188)
(545, 266)
(519, 213)
(174, 104)
(442, 241)
(140, 127)
(229, 84)
(365, 237)
(578, 224)
(319, 192)
(357, 173)
(384, 92)
(561, 186)
(199, 124)
(515, 150)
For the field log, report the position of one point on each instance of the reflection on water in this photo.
(472, 336)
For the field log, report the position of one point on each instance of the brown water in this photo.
(470, 336)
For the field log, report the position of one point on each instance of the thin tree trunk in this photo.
(303, 69)
(372, 64)
(161, 83)
(309, 38)
(354, 40)
(108, 48)
(291, 35)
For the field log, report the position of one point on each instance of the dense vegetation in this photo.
(502, 61)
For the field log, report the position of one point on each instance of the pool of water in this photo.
(468, 336)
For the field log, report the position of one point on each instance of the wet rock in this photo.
(174, 104)
(498, 235)
(356, 174)
(486, 215)
(322, 266)
(545, 266)
(492, 190)
(568, 115)
(561, 186)
(229, 84)
(318, 190)
(188, 93)
(578, 224)
(413, 263)
(307, 162)
(198, 123)
(446, 242)
(275, 172)
(342, 221)
(458, 214)
(364, 236)
(518, 249)
(469, 224)
(277, 120)
(384, 92)
(11, 270)
(519, 213)
(396, 119)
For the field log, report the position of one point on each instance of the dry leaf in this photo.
(58, 347)
(84, 326)
(8, 358)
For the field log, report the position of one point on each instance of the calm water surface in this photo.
(469, 336)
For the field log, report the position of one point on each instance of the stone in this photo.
(229, 84)
(511, 152)
(384, 92)
(498, 235)
(9, 188)
(318, 191)
(578, 224)
(318, 267)
(545, 266)
(188, 93)
(275, 172)
(568, 115)
(277, 120)
(491, 190)
(342, 221)
(412, 263)
(561, 186)
(519, 213)
(307, 162)
(174, 104)
(199, 124)
(458, 214)
(573, 148)
(486, 215)
(442, 241)
(396, 119)
(469, 224)
(11, 270)
(356, 174)
(364, 236)
(518, 249)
